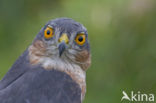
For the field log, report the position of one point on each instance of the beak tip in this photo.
(62, 47)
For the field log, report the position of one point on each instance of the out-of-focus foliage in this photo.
(122, 34)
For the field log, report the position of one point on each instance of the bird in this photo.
(53, 67)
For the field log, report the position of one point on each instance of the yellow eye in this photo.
(80, 39)
(48, 33)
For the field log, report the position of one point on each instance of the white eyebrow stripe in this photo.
(50, 26)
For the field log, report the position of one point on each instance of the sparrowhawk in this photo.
(52, 69)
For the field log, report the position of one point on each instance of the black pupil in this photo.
(80, 39)
(48, 32)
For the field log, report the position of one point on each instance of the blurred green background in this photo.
(122, 34)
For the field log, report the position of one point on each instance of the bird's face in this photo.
(65, 40)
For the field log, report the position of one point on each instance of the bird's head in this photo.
(61, 41)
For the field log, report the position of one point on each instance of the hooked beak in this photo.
(63, 40)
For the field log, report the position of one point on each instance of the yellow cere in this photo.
(48, 33)
(80, 39)
(64, 38)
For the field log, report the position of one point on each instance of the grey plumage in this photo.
(65, 25)
(42, 75)
(33, 84)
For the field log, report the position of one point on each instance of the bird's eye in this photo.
(80, 39)
(48, 33)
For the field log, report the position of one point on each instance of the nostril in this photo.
(64, 38)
